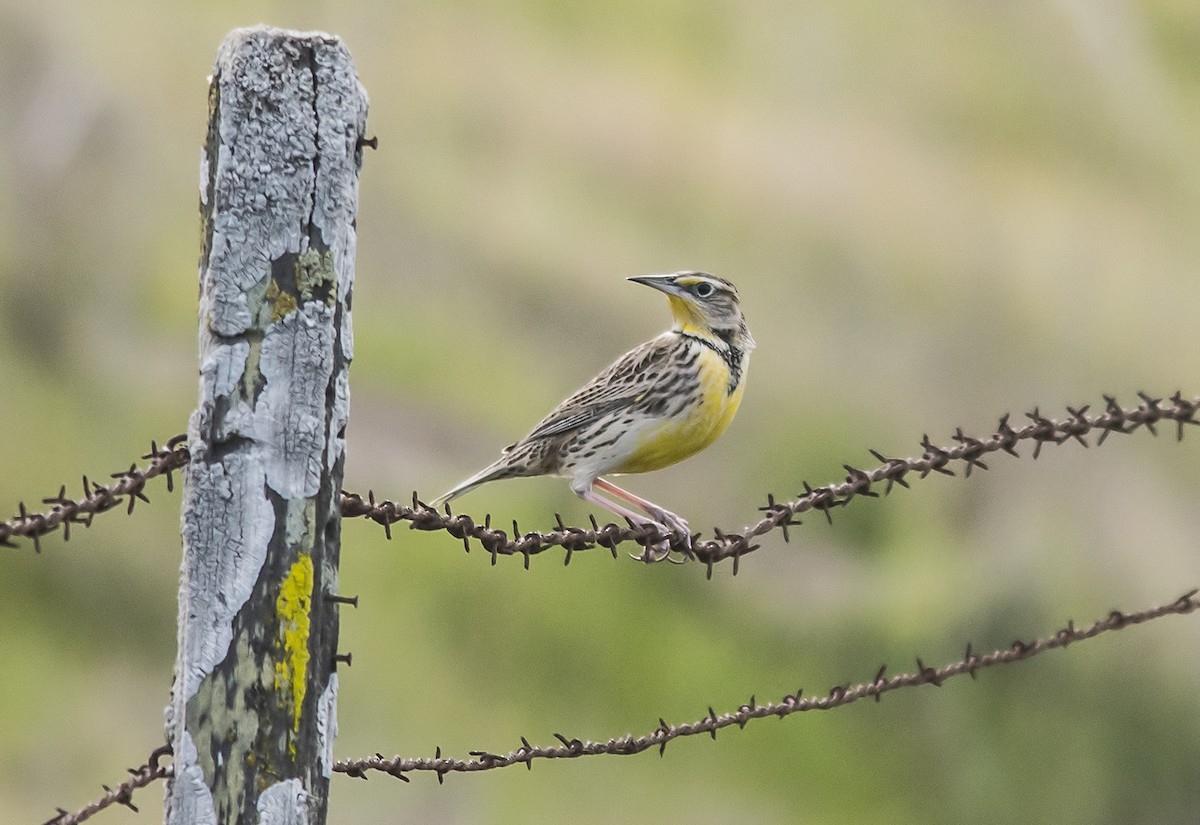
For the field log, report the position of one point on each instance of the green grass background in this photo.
(936, 212)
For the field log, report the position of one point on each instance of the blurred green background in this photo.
(936, 213)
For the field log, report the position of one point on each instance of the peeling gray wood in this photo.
(327, 723)
(253, 711)
(283, 803)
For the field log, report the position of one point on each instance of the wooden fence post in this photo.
(253, 711)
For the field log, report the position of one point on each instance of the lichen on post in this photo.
(253, 711)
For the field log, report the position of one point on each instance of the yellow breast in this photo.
(694, 428)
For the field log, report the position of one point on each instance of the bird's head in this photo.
(704, 305)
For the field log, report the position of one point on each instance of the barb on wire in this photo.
(967, 452)
(839, 695)
(97, 498)
(121, 794)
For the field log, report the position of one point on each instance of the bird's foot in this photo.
(673, 523)
(678, 535)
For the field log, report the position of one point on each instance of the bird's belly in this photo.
(672, 439)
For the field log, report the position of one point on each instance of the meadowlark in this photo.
(655, 405)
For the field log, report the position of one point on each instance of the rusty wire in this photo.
(97, 498)
(838, 696)
(121, 794)
(660, 736)
(967, 451)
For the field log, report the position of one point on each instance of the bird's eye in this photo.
(703, 289)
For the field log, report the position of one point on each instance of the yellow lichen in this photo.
(292, 608)
(282, 303)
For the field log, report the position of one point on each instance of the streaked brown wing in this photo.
(620, 385)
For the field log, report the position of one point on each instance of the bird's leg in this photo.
(591, 497)
(663, 517)
(663, 547)
(660, 516)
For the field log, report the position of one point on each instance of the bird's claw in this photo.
(655, 553)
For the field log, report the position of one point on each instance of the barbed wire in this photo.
(967, 451)
(571, 748)
(838, 696)
(97, 498)
(121, 794)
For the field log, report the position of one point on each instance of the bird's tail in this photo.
(490, 473)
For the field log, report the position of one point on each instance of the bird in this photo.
(657, 404)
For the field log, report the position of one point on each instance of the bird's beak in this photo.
(663, 283)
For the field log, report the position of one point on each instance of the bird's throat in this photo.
(687, 318)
